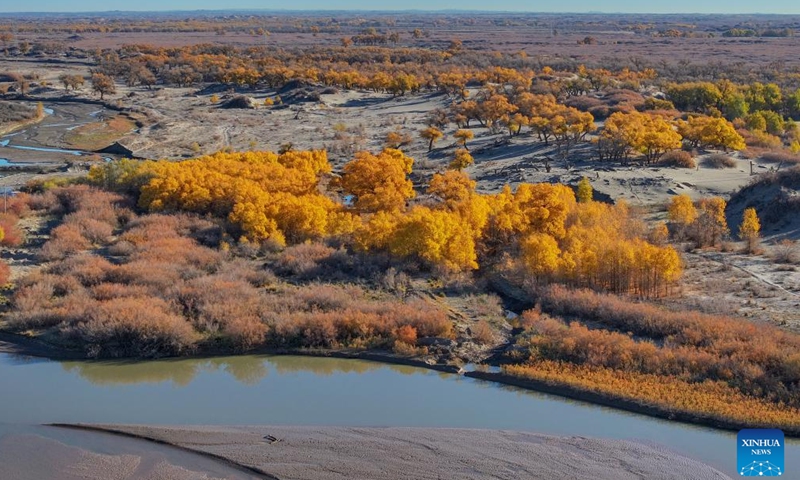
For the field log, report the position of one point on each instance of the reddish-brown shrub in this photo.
(429, 320)
(329, 297)
(44, 201)
(752, 358)
(139, 327)
(482, 333)
(252, 273)
(88, 269)
(5, 273)
(179, 251)
(159, 275)
(678, 158)
(584, 102)
(19, 204)
(211, 302)
(303, 258)
(151, 227)
(108, 291)
(780, 157)
(719, 160)
(245, 332)
(406, 334)
(13, 236)
(64, 240)
(97, 204)
(96, 231)
(31, 303)
(121, 248)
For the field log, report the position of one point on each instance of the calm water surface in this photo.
(286, 390)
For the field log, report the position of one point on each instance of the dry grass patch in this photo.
(98, 135)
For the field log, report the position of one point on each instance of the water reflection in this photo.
(248, 370)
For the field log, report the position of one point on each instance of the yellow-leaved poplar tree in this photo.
(585, 191)
(750, 229)
(379, 182)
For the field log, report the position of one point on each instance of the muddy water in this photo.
(268, 390)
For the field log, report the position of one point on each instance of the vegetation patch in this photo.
(98, 135)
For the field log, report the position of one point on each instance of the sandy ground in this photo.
(735, 283)
(330, 453)
(39, 453)
(351, 120)
(183, 122)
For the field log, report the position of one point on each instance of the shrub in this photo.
(107, 291)
(329, 297)
(5, 273)
(93, 230)
(750, 357)
(719, 161)
(485, 305)
(19, 204)
(139, 327)
(30, 305)
(482, 333)
(158, 275)
(245, 332)
(780, 157)
(178, 251)
(88, 269)
(678, 159)
(12, 235)
(64, 240)
(122, 248)
(708, 398)
(406, 334)
(303, 258)
(786, 251)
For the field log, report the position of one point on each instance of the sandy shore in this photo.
(328, 453)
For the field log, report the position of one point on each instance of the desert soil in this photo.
(330, 453)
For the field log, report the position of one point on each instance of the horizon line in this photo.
(367, 11)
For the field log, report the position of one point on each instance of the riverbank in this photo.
(11, 127)
(17, 344)
(21, 345)
(631, 405)
(327, 453)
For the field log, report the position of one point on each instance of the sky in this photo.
(611, 6)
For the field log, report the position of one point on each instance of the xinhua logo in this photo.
(760, 453)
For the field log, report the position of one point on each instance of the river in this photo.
(291, 390)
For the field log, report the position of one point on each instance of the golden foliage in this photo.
(585, 191)
(379, 182)
(432, 135)
(437, 236)
(749, 229)
(681, 210)
(714, 399)
(701, 131)
(266, 195)
(750, 226)
(461, 160)
(463, 135)
(643, 133)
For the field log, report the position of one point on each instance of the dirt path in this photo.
(718, 258)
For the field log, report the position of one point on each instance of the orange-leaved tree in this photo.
(379, 182)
